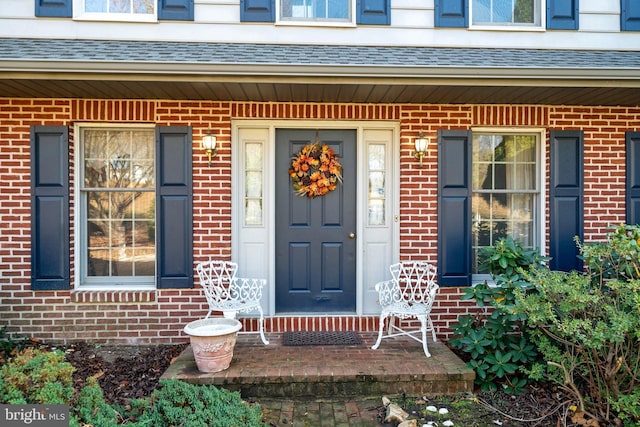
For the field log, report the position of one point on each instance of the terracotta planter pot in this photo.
(212, 341)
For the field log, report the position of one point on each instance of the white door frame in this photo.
(253, 247)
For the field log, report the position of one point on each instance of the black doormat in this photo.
(298, 338)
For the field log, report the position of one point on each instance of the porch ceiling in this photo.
(365, 91)
(43, 68)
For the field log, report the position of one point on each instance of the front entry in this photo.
(315, 237)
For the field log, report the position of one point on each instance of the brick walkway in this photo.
(358, 412)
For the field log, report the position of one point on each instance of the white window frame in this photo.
(80, 15)
(540, 222)
(316, 22)
(508, 26)
(80, 221)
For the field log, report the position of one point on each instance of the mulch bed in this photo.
(123, 372)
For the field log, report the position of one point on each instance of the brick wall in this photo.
(159, 316)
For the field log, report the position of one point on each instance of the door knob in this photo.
(352, 235)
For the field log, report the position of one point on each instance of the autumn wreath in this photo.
(315, 170)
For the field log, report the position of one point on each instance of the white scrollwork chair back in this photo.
(230, 294)
(410, 293)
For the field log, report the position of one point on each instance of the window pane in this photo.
(524, 177)
(376, 185)
(119, 6)
(144, 206)
(523, 232)
(524, 12)
(502, 11)
(98, 263)
(482, 176)
(522, 207)
(376, 212)
(98, 205)
(95, 6)
(144, 234)
(95, 173)
(143, 6)
(145, 261)
(499, 207)
(253, 212)
(481, 11)
(376, 156)
(253, 159)
(254, 184)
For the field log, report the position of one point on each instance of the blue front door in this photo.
(315, 237)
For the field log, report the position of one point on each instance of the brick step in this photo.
(398, 366)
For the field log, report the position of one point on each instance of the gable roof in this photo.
(281, 72)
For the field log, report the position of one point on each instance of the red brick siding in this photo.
(159, 316)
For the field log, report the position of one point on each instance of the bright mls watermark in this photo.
(34, 415)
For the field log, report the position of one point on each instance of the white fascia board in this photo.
(303, 72)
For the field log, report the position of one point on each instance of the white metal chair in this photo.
(230, 294)
(410, 293)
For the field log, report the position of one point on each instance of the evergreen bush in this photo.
(177, 403)
(587, 327)
(496, 342)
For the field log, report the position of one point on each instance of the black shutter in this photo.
(50, 259)
(630, 15)
(54, 8)
(454, 208)
(257, 11)
(373, 12)
(452, 13)
(175, 10)
(174, 207)
(562, 14)
(566, 199)
(633, 177)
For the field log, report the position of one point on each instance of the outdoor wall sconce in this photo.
(421, 143)
(208, 144)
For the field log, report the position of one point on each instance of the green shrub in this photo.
(177, 403)
(91, 408)
(494, 339)
(36, 377)
(587, 326)
(9, 345)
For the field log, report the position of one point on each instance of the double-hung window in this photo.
(117, 203)
(323, 11)
(506, 184)
(116, 10)
(511, 13)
